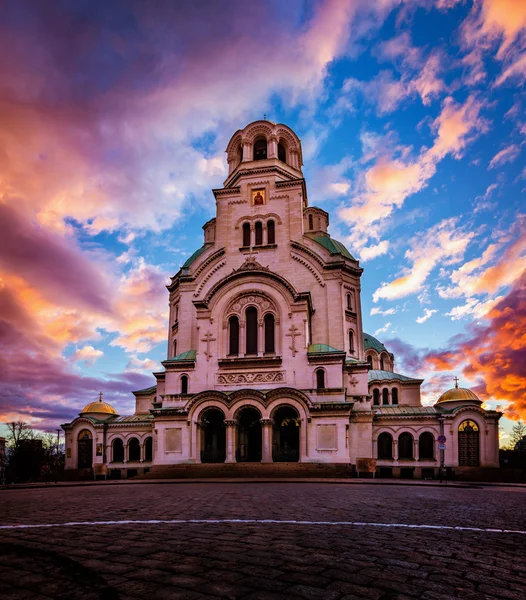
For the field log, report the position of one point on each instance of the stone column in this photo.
(266, 430)
(272, 147)
(242, 338)
(395, 449)
(230, 430)
(247, 151)
(415, 449)
(261, 337)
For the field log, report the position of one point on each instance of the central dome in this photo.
(457, 394)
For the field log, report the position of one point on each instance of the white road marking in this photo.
(257, 522)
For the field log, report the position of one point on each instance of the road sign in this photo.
(441, 446)
(441, 439)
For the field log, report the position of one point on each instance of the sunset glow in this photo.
(114, 118)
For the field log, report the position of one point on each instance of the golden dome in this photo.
(457, 394)
(99, 407)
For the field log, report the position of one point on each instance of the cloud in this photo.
(493, 355)
(144, 365)
(428, 313)
(477, 278)
(444, 243)
(370, 252)
(506, 155)
(385, 185)
(483, 202)
(87, 354)
(419, 76)
(383, 329)
(497, 24)
(473, 308)
(378, 311)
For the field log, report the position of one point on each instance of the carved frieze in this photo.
(251, 378)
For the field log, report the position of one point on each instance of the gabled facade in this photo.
(267, 360)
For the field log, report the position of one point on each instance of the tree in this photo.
(518, 432)
(18, 432)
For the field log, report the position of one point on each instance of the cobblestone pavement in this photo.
(256, 561)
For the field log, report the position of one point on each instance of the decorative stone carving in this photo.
(208, 339)
(293, 334)
(263, 302)
(251, 378)
(251, 264)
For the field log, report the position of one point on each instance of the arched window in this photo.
(370, 361)
(385, 445)
(260, 149)
(252, 330)
(246, 234)
(269, 333)
(426, 445)
(382, 364)
(320, 379)
(271, 232)
(385, 396)
(175, 348)
(134, 450)
(351, 341)
(177, 312)
(405, 446)
(184, 384)
(233, 325)
(240, 154)
(117, 450)
(394, 396)
(148, 449)
(311, 223)
(376, 397)
(349, 302)
(282, 153)
(259, 233)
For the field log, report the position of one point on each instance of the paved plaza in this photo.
(307, 548)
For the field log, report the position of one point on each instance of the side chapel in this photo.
(267, 359)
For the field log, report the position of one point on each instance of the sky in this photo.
(114, 119)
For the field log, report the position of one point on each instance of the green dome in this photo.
(371, 342)
(333, 246)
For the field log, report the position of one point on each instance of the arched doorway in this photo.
(85, 450)
(286, 435)
(248, 435)
(148, 449)
(213, 447)
(468, 444)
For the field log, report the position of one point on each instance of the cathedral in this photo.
(267, 360)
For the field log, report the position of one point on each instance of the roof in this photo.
(194, 256)
(98, 407)
(458, 394)
(371, 342)
(188, 355)
(377, 375)
(322, 349)
(133, 419)
(333, 246)
(406, 410)
(148, 390)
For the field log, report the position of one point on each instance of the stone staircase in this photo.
(248, 470)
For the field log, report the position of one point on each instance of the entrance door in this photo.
(213, 449)
(249, 436)
(85, 450)
(468, 444)
(286, 435)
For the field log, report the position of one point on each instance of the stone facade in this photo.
(267, 360)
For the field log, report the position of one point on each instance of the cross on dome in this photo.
(455, 379)
(100, 396)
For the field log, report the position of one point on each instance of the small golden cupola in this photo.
(99, 409)
(458, 395)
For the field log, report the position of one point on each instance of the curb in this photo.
(263, 480)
